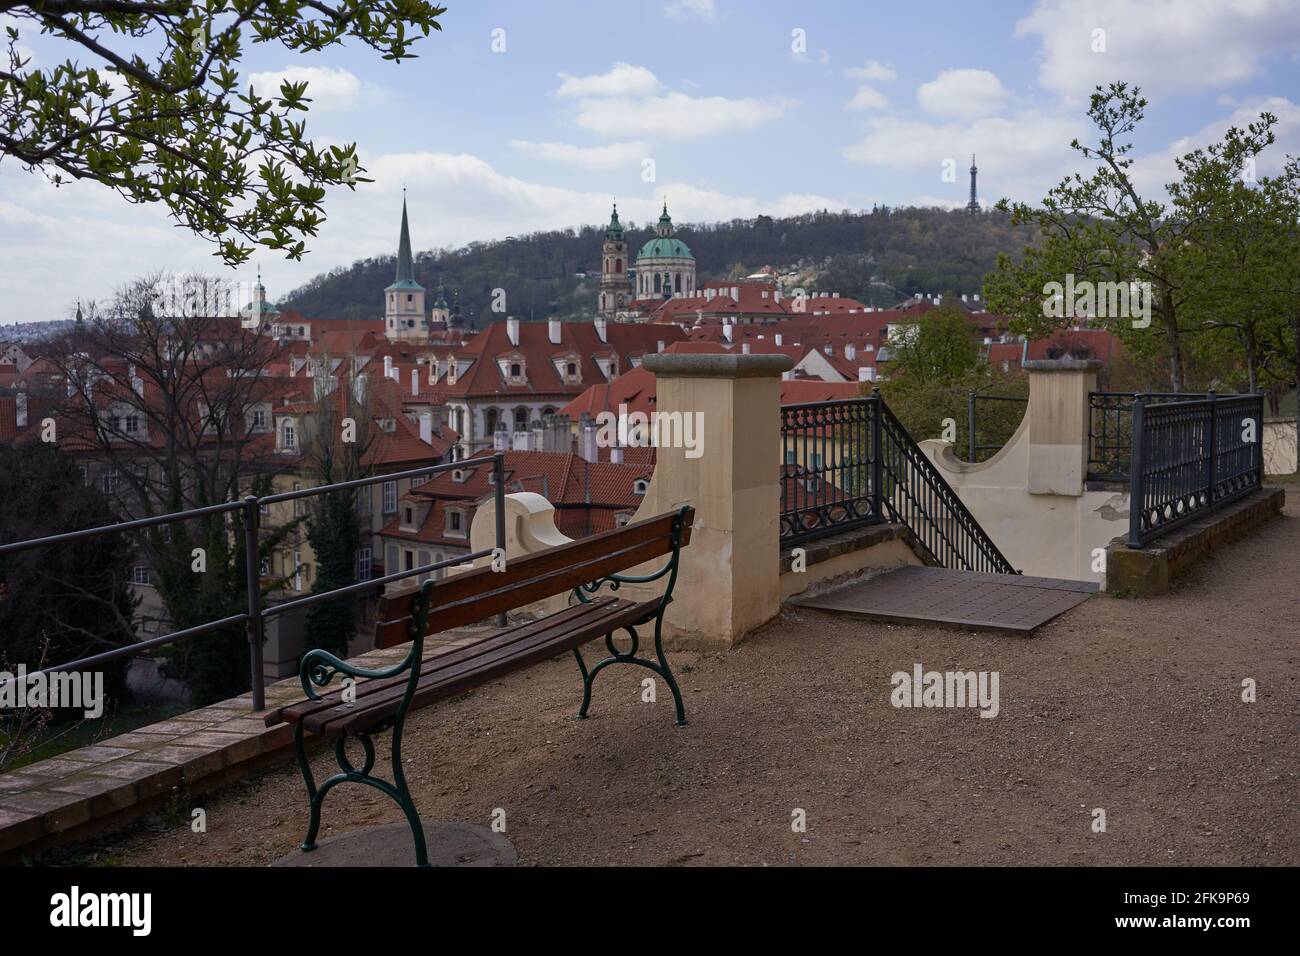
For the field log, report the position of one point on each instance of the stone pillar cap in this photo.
(1061, 365)
(717, 364)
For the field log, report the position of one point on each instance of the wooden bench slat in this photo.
(477, 595)
(471, 671)
(292, 713)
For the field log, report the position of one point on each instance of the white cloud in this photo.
(962, 94)
(454, 199)
(674, 115)
(611, 156)
(1154, 170)
(1163, 46)
(1020, 156)
(687, 9)
(867, 98)
(872, 71)
(328, 89)
(623, 80)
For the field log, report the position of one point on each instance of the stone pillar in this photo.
(1058, 424)
(729, 581)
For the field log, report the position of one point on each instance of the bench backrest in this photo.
(476, 595)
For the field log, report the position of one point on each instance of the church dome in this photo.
(661, 247)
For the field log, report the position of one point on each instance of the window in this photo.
(297, 502)
(365, 501)
(640, 486)
(454, 520)
(390, 497)
(408, 560)
(290, 435)
(571, 370)
(297, 571)
(364, 562)
(259, 418)
(516, 370)
(110, 481)
(521, 419)
(621, 520)
(140, 574)
(419, 480)
(142, 472)
(132, 424)
(410, 515)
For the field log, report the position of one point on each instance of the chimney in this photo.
(660, 346)
(20, 420)
(587, 448)
(744, 348)
(553, 331)
(778, 338)
(426, 427)
(522, 441)
(727, 332)
(850, 352)
(735, 292)
(500, 438)
(864, 373)
(512, 331)
(415, 382)
(616, 455)
(602, 330)
(539, 437)
(388, 366)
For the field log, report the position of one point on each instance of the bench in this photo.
(382, 702)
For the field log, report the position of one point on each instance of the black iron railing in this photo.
(1189, 458)
(976, 450)
(256, 615)
(852, 463)
(1110, 430)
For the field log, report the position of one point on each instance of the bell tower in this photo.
(404, 317)
(615, 285)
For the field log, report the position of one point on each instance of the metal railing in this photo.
(974, 448)
(1190, 458)
(1110, 430)
(852, 463)
(256, 615)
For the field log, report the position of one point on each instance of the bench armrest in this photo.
(618, 579)
(319, 666)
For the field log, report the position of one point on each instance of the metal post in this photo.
(1136, 483)
(970, 426)
(1214, 445)
(253, 581)
(877, 462)
(499, 478)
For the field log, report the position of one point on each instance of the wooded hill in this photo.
(878, 257)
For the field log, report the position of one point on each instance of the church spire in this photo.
(405, 266)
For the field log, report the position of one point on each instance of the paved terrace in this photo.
(1130, 706)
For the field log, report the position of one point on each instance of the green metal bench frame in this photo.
(319, 667)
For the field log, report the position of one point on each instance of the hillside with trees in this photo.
(878, 257)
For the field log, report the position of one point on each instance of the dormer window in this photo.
(516, 370)
(640, 486)
(408, 515)
(289, 436)
(571, 370)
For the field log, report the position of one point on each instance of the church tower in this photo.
(404, 318)
(441, 311)
(973, 205)
(615, 285)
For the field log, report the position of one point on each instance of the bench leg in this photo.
(629, 657)
(399, 791)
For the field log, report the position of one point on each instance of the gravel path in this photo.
(1132, 707)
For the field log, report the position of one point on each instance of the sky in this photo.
(525, 116)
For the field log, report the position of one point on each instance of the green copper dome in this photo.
(665, 248)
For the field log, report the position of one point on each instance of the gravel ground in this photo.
(1132, 707)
